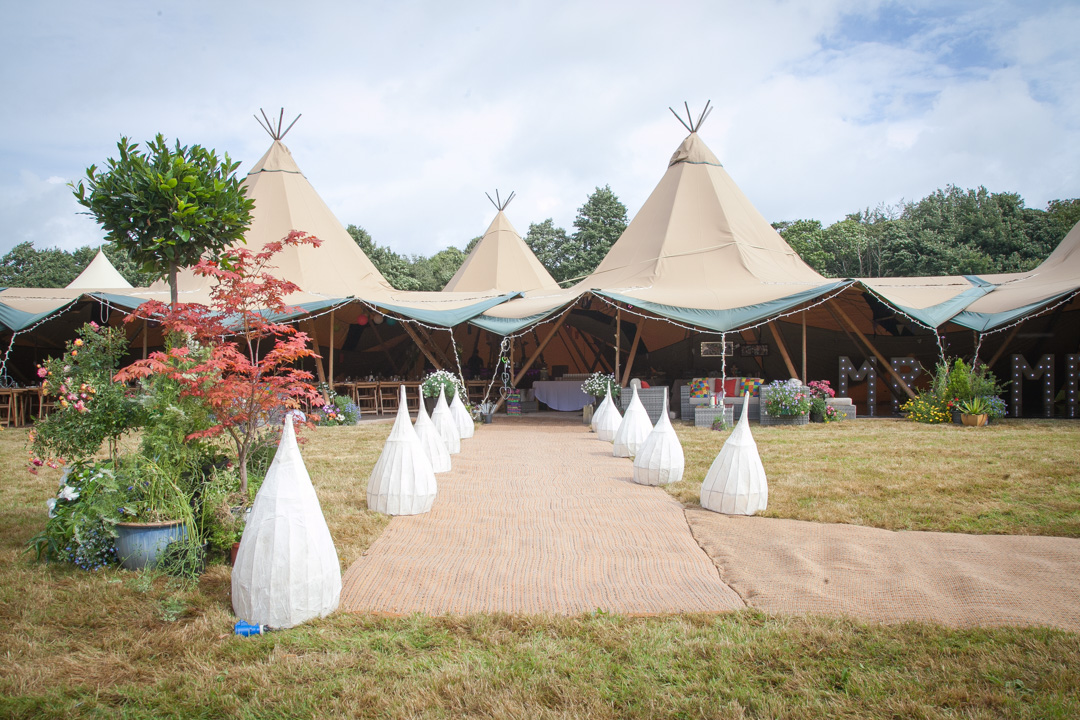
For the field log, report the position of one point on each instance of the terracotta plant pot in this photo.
(974, 420)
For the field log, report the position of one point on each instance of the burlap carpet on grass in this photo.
(538, 517)
(791, 566)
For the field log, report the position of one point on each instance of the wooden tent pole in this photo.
(598, 356)
(803, 347)
(618, 338)
(573, 349)
(434, 345)
(633, 353)
(881, 358)
(318, 359)
(1004, 345)
(145, 334)
(783, 348)
(541, 345)
(420, 344)
(332, 350)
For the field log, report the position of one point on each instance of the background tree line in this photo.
(950, 232)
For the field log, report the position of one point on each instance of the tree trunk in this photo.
(173, 295)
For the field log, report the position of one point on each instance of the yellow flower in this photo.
(78, 342)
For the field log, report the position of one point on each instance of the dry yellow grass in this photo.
(1014, 477)
(115, 643)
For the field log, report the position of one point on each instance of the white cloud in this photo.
(412, 112)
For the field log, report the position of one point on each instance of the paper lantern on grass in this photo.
(445, 424)
(286, 571)
(609, 421)
(605, 406)
(402, 481)
(432, 441)
(461, 416)
(660, 460)
(633, 429)
(735, 483)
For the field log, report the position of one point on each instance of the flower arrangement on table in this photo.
(597, 386)
(785, 398)
(448, 381)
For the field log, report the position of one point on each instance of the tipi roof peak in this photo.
(691, 126)
(500, 204)
(275, 131)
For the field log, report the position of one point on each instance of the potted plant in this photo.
(975, 412)
(487, 410)
(597, 385)
(820, 392)
(450, 384)
(785, 402)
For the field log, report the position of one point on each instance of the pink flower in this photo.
(94, 325)
(42, 372)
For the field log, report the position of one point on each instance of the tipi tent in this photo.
(99, 274)
(501, 261)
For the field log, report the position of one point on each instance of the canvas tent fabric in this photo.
(736, 483)
(501, 262)
(99, 274)
(285, 201)
(286, 571)
(697, 251)
(660, 460)
(402, 481)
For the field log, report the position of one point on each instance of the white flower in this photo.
(69, 493)
(51, 504)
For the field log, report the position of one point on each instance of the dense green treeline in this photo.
(950, 232)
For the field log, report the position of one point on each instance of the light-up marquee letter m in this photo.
(1021, 370)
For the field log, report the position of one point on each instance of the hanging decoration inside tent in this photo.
(286, 571)
(361, 319)
(867, 372)
(1044, 369)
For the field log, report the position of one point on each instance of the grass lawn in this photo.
(121, 644)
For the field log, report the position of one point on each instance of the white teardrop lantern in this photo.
(735, 483)
(605, 406)
(445, 424)
(461, 416)
(286, 571)
(660, 459)
(432, 441)
(608, 423)
(633, 429)
(402, 481)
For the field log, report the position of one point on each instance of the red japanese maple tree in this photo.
(232, 354)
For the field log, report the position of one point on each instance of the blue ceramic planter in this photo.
(138, 545)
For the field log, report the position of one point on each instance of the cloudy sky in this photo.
(412, 111)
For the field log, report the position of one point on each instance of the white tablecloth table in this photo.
(565, 395)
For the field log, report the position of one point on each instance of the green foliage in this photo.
(339, 411)
(599, 222)
(446, 380)
(26, 266)
(92, 409)
(954, 385)
(950, 232)
(785, 398)
(927, 407)
(394, 267)
(166, 207)
(434, 272)
(598, 383)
